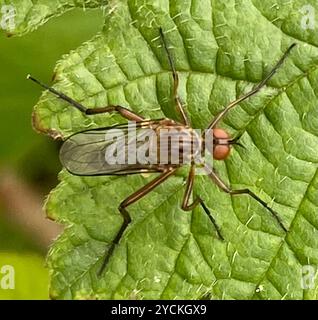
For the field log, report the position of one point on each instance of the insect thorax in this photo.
(174, 144)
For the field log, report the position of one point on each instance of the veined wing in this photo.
(110, 150)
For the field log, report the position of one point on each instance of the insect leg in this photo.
(177, 100)
(128, 114)
(188, 207)
(257, 88)
(217, 180)
(127, 202)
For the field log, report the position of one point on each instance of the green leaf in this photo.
(221, 49)
(21, 16)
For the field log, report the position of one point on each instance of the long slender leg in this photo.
(128, 114)
(121, 110)
(220, 115)
(217, 180)
(127, 202)
(177, 100)
(188, 207)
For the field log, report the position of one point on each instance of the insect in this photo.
(83, 153)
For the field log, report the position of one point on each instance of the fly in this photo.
(83, 153)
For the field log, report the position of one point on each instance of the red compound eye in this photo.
(220, 152)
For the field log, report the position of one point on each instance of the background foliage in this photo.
(32, 157)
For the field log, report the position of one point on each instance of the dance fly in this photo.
(83, 153)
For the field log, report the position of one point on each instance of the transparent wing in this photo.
(111, 150)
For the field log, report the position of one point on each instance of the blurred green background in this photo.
(28, 160)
